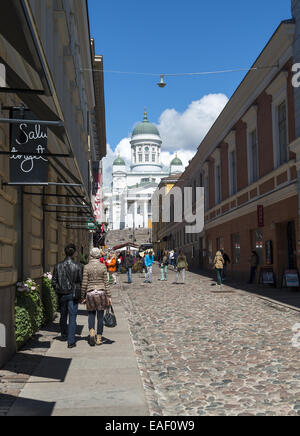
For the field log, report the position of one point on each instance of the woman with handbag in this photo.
(95, 289)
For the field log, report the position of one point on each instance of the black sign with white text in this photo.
(30, 143)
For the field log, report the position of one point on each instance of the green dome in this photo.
(145, 128)
(176, 162)
(119, 161)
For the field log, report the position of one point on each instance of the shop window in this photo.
(210, 252)
(236, 248)
(220, 243)
(259, 245)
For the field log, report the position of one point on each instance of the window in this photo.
(220, 244)
(140, 157)
(282, 133)
(146, 157)
(236, 248)
(153, 157)
(233, 173)
(206, 190)
(253, 157)
(210, 252)
(218, 184)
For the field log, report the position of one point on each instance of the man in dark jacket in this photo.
(66, 280)
(128, 263)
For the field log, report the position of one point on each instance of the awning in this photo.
(16, 28)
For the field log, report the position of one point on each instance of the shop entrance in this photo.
(257, 244)
(286, 246)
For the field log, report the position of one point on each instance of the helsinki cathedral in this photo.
(128, 201)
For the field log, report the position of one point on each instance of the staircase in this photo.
(118, 237)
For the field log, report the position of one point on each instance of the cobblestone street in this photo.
(204, 351)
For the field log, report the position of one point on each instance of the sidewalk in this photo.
(85, 381)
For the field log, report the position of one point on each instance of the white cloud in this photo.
(185, 131)
(181, 133)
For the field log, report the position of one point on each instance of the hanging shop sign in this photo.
(267, 276)
(291, 279)
(29, 143)
(91, 224)
(260, 216)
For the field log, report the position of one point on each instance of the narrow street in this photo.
(196, 351)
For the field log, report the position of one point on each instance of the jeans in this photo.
(180, 272)
(148, 275)
(92, 321)
(129, 275)
(224, 272)
(219, 276)
(163, 272)
(68, 307)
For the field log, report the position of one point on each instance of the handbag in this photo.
(110, 319)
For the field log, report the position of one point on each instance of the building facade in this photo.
(128, 202)
(46, 59)
(248, 165)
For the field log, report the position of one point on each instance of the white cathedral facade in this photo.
(128, 202)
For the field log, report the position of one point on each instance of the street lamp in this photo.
(162, 82)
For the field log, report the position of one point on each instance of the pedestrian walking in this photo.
(119, 262)
(182, 266)
(102, 258)
(164, 266)
(171, 258)
(128, 263)
(95, 289)
(149, 261)
(112, 267)
(254, 261)
(219, 265)
(66, 281)
(226, 262)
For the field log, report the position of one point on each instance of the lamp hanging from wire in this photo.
(162, 82)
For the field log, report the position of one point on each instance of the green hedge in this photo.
(32, 310)
(29, 316)
(49, 300)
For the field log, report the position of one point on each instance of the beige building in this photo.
(46, 63)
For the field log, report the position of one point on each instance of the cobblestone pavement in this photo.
(209, 351)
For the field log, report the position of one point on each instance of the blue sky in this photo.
(173, 36)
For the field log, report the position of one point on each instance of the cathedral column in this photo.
(146, 214)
